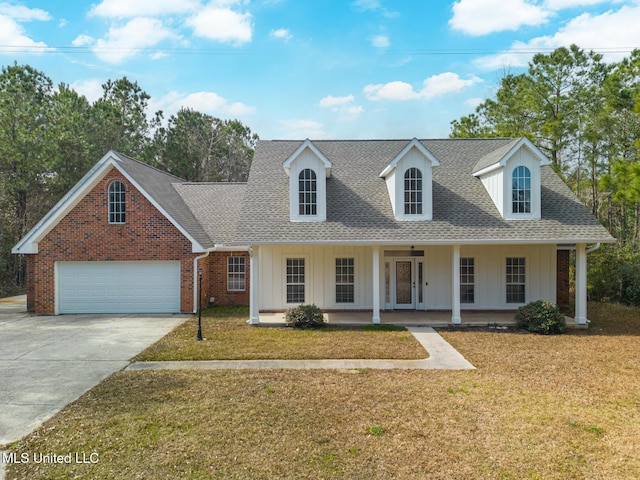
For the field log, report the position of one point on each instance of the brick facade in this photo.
(563, 298)
(85, 234)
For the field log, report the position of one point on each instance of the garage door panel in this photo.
(118, 287)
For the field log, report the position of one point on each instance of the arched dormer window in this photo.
(117, 205)
(521, 190)
(307, 192)
(413, 192)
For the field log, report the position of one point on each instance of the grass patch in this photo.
(536, 407)
(228, 337)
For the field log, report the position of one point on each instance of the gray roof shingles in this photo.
(359, 209)
(207, 211)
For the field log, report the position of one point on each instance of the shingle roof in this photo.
(207, 211)
(359, 209)
(216, 206)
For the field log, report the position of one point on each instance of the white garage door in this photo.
(118, 287)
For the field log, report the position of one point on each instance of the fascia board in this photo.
(29, 243)
(304, 145)
(412, 143)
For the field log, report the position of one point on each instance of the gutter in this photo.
(593, 249)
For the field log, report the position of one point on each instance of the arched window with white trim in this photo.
(307, 192)
(413, 191)
(117, 204)
(521, 190)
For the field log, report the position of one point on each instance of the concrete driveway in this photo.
(47, 362)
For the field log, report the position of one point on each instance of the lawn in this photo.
(562, 407)
(228, 337)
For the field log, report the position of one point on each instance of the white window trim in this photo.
(110, 203)
(307, 278)
(472, 283)
(527, 171)
(302, 203)
(335, 283)
(244, 273)
(526, 280)
(419, 205)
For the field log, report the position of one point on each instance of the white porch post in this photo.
(455, 286)
(581, 284)
(376, 285)
(254, 272)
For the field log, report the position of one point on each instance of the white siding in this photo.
(525, 158)
(494, 184)
(307, 159)
(490, 274)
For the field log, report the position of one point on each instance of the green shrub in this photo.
(305, 316)
(541, 317)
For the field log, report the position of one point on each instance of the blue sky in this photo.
(309, 68)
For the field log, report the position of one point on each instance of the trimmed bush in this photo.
(305, 316)
(541, 317)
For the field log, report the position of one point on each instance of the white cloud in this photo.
(303, 129)
(133, 8)
(380, 41)
(474, 102)
(481, 17)
(281, 33)
(13, 39)
(206, 102)
(23, 14)
(390, 91)
(331, 102)
(445, 83)
(617, 33)
(82, 41)
(222, 25)
(121, 43)
(561, 4)
(91, 88)
(345, 106)
(434, 86)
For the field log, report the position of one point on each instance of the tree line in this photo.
(51, 136)
(584, 114)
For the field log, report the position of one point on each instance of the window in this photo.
(116, 202)
(345, 275)
(413, 192)
(467, 280)
(521, 190)
(295, 280)
(307, 192)
(236, 274)
(515, 280)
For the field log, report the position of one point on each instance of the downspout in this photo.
(216, 248)
(593, 249)
(195, 277)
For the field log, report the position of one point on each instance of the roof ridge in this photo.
(182, 180)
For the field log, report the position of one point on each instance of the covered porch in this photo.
(413, 285)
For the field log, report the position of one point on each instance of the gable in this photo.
(29, 243)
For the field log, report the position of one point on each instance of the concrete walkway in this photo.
(441, 356)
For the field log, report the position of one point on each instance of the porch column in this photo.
(455, 286)
(581, 284)
(376, 285)
(254, 272)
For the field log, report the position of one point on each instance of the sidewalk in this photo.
(441, 356)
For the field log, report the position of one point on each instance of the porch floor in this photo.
(439, 318)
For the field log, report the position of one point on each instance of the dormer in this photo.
(308, 170)
(409, 182)
(511, 176)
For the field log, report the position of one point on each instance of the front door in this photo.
(405, 285)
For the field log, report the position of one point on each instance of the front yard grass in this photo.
(228, 337)
(537, 407)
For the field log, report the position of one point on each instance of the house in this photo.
(453, 224)
(353, 225)
(129, 238)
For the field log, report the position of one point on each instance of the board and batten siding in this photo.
(490, 274)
